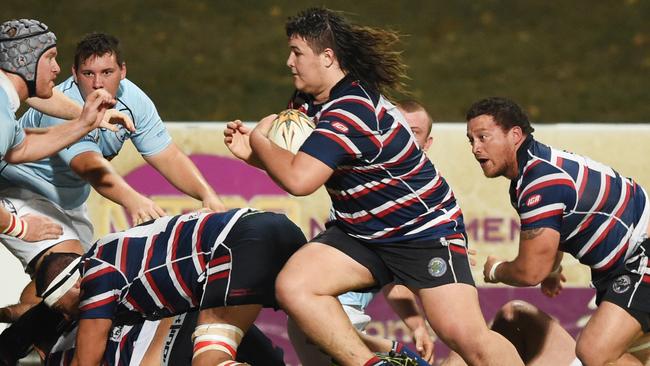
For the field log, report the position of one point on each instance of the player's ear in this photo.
(123, 71)
(328, 56)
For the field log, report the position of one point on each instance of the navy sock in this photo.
(403, 350)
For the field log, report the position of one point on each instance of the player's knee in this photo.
(586, 355)
(222, 338)
(288, 290)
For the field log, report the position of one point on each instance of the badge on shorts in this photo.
(621, 284)
(116, 333)
(437, 267)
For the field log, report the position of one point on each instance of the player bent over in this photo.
(223, 264)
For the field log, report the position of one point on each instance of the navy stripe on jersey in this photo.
(600, 215)
(383, 188)
(156, 269)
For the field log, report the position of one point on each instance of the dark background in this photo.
(219, 60)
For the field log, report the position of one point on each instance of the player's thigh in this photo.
(453, 312)
(609, 331)
(323, 270)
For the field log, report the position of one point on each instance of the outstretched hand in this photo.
(97, 105)
(237, 139)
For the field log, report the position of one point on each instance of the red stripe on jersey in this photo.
(355, 125)
(97, 304)
(408, 154)
(150, 280)
(381, 114)
(559, 161)
(97, 274)
(199, 236)
(337, 140)
(218, 275)
(362, 102)
(457, 235)
(458, 249)
(175, 265)
(526, 169)
(553, 182)
(585, 178)
(393, 134)
(134, 303)
(123, 257)
(540, 216)
(219, 260)
(615, 259)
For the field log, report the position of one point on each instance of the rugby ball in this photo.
(290, 129)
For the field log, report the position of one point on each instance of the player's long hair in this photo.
(366, 53)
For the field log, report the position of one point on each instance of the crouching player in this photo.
(223, 264)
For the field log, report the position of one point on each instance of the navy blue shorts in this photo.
(415, 264)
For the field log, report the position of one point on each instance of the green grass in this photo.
(220, 60)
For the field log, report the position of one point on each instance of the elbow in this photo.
(298, 190)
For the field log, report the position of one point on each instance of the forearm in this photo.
(11, 313)
(181, 172)
(40, 143)
(278, 164)
(515, 273)
(59, 106)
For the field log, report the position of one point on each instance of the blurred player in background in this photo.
(394, 217)
(569, 203)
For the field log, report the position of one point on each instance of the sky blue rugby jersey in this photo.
(157, 269)
(384, 188)
(11, 134)
(53, 178)
(600, 215)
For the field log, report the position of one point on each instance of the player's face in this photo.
(306, 67)
(494, 149)
(99, 72)
(419, 123)
(48, 69)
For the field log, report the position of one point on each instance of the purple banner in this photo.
(570, 308)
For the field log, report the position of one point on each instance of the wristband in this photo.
(492, 276)
(17, 227)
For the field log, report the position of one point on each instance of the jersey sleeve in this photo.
(151, 136)
(340, 136)
(11, 134)
(543, 199)
(100, 289)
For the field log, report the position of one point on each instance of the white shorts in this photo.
(75, 222)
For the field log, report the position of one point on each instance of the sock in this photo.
(374, 361)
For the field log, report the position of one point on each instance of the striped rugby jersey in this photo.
(126, 344)
(601, 216)
(384, 188)
(157, 269)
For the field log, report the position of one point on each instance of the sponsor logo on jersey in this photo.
(340, 127)
(534, 200)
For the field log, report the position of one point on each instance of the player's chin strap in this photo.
(217, 337)
(62, 283)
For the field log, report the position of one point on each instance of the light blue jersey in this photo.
(360, 299)
(11, 134)
(53, 178)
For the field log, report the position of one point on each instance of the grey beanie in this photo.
(22, 43)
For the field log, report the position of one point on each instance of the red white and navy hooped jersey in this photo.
(384, 188)
(126, 345)
(601, 216)
(157, 269)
